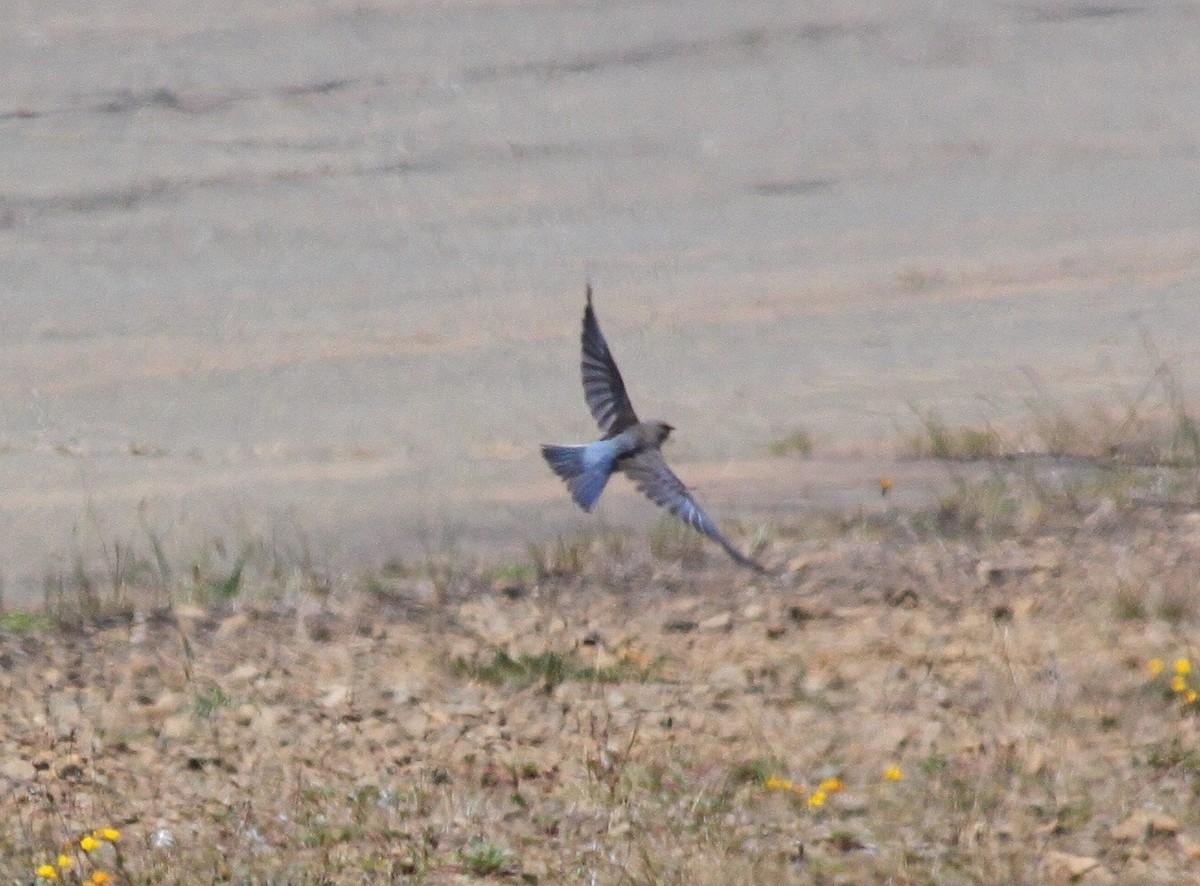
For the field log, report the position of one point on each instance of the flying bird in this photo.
(629, 445)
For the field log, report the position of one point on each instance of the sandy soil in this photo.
(314, 273)
(616, 719)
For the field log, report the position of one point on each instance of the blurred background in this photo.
(312, 273)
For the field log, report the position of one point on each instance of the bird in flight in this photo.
(628, 445)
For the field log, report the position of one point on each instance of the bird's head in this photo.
(662, 431)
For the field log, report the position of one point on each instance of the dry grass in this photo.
(1155, 428)
(594, 718)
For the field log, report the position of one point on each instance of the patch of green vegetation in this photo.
(936, 439)
(483, 858)
(22, 622)
(916, 279)
(512, 577)
(934, 764)
(1175, 606)
(550, 668)
(1073, 816)
(799, 442)
(1129, 604)
(206, 702)
(756, 770)
(220, 588)
(565, 558)
(1171, 755)
(676, 542)
(973, 508)
(324, 837)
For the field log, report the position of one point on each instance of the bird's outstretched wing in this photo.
(650, 473)
(602, 385)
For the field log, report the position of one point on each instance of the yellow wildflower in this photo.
(112, 835)
(88, 843)
(832, 785)
(64, 861)
(817, 799)
(885, 485)
(1155, 666)
(892, 773)
(1179, 683)
(774, 783)
(1190, 696)
(99, 878)
(47, 872)
(1183, 667)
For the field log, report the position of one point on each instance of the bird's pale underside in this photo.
(628, 445)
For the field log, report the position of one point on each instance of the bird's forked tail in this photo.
(585, 468)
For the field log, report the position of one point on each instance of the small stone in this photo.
(234, 625)
(727, 677)
(988, 573)
(851, 804)
(719, 622)
(320, 626)
(1103, 517)
(679, 626)
(1162, 824)
(955, 652)
(1190, 847)
(415, 724)
(799, 564)
(176, 726)
(1062, 867)
(1132, 829)
(17, 769)
(1033, 762)
(242, 675)
(335, 696)
(269, 720)
(71, 767)
(64, 714)
(190, 612)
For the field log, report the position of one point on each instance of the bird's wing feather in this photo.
(603, 387)
(649, 472)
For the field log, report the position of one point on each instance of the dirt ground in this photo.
(978, 693)
(291, 296)
(315, 271)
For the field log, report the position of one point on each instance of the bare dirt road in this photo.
(313, 273)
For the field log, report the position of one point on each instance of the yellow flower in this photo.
(774, 783)
(47, 872)
(1179, 683)
(1183, 667)
(99, 878)
(88, 843)
(817, 799)
(1190, 696)
(892, 773)
(112, 835)
(1155, 666)
(64, 861)
(885, 485)
(831, 786)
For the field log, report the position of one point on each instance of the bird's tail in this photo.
(585, 468)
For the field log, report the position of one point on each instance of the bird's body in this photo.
(586, 468)
(628, 445)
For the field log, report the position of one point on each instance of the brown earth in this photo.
(315, 271)
(594, 716)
